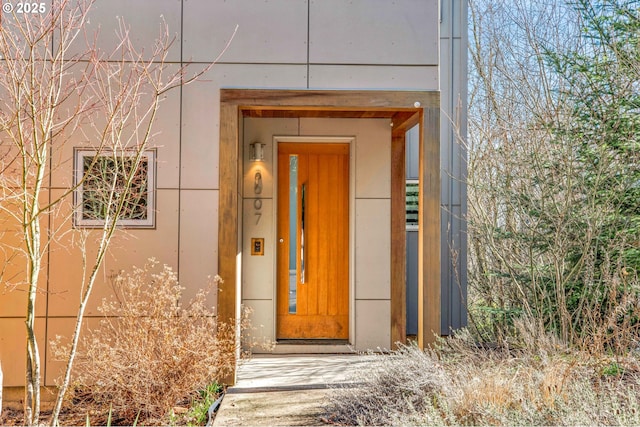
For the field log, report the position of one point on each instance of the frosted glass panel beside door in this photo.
(293, 231)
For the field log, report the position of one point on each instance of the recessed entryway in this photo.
(249, 215)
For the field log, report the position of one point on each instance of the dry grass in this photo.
(460, 383)
(405, 383)
(156, 354)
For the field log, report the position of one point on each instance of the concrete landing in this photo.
(286, 390)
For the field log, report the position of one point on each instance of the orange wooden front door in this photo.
(313, 241)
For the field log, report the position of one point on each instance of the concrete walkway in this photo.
(286, 390)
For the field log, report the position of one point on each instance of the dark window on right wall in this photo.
(412, 204)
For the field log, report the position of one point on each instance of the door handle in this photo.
(302, 234)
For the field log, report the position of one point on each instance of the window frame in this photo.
(78, 173)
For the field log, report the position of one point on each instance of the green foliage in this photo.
(199, 411)
(492, 321)
(602, 88)
(612, 370)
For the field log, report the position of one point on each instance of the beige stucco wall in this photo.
(319, 44)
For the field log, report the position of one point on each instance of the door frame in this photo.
(352, 219)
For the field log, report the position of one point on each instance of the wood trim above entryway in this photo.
(405, 109)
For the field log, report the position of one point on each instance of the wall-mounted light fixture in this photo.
(257, 151)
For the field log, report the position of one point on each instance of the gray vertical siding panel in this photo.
(453, 80)
(463, 75)
(412, 282)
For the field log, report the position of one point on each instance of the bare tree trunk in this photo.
(32, 234)
(32, 390)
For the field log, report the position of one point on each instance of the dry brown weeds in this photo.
(152, 351)
(461, 383)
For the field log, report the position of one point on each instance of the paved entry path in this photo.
(285, 390)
